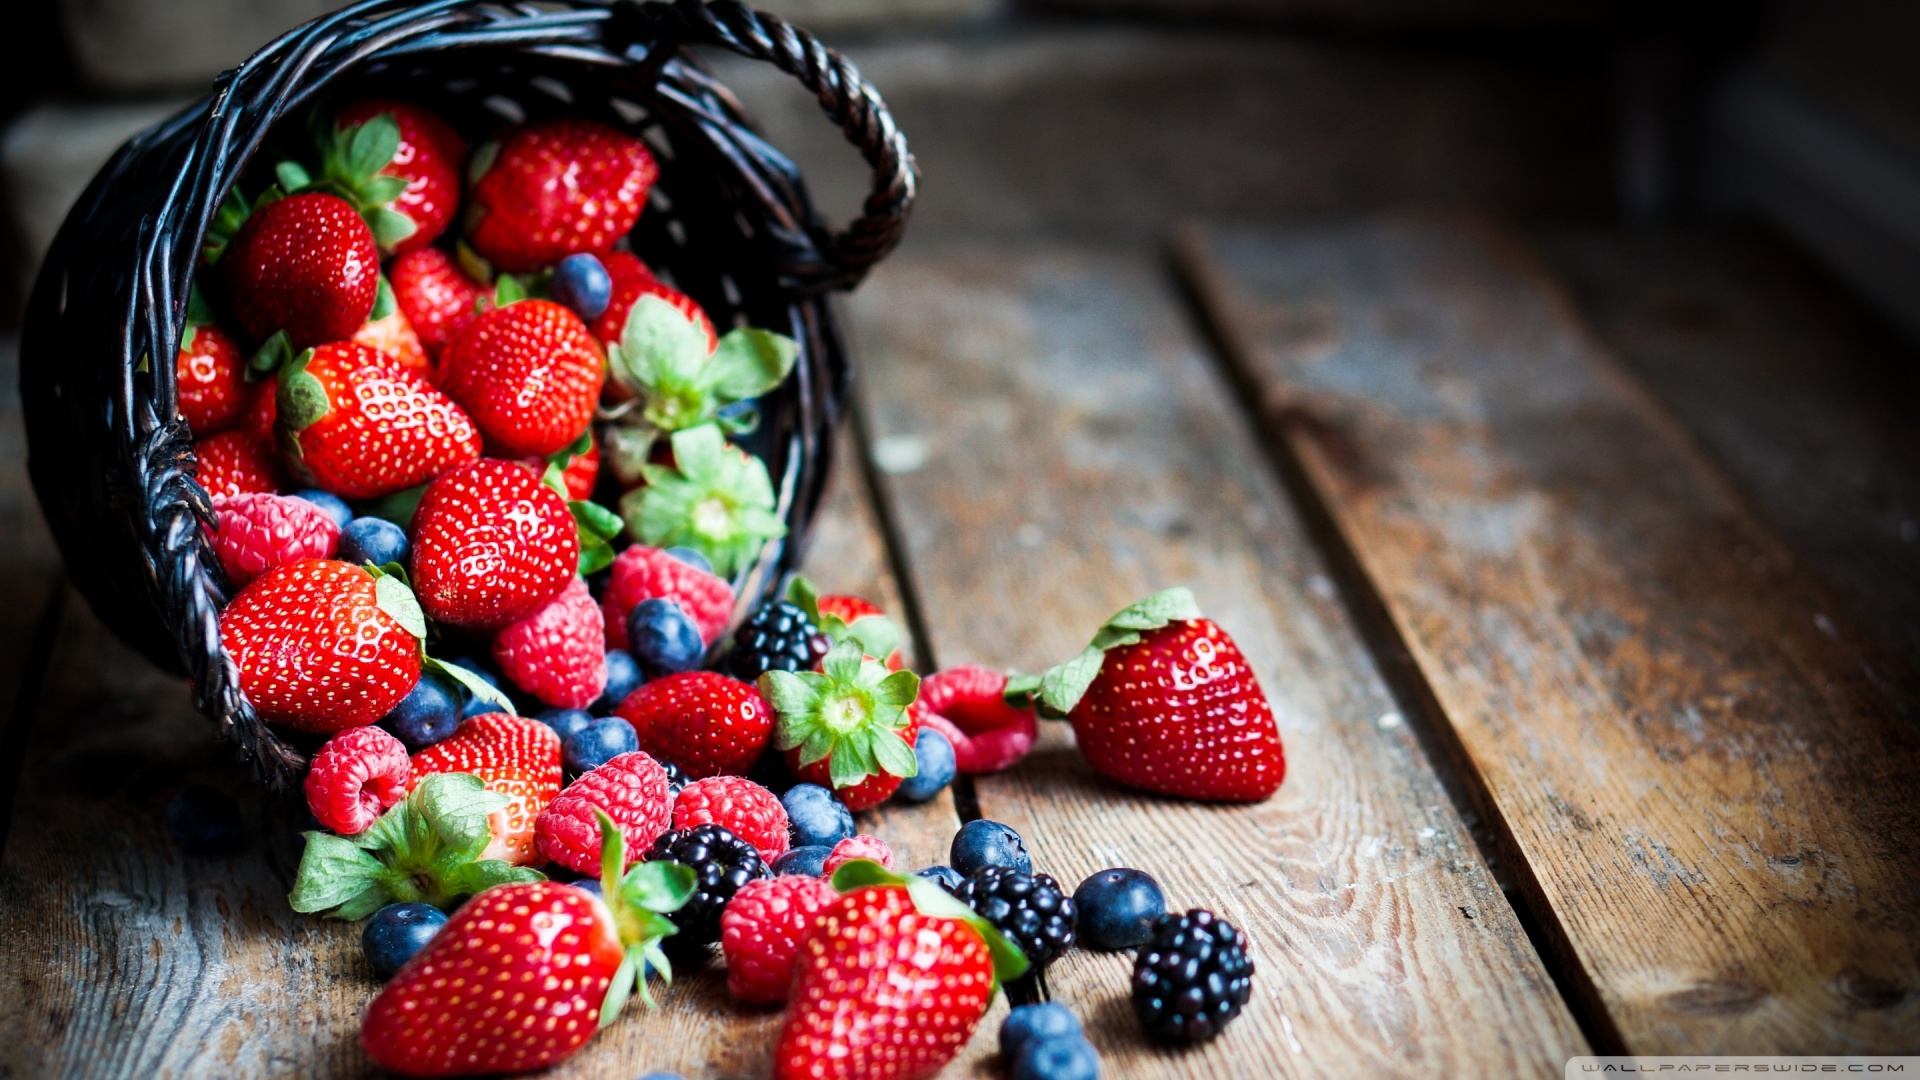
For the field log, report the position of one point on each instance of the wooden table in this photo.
(1548, 551)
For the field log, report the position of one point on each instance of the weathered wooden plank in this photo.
(122, 956)
(1060, 448)
(1711, 801)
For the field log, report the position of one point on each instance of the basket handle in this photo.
(848, 99)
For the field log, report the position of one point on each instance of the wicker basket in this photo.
(729, 223)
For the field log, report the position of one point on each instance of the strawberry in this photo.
(748, 810)
(715, 498)
(860, 846)
(891, 982)
(849, 618)
(578, 469)
(352, 421)
(702, 721)
(847, 726)
(263, 408)
(518, 758)
(400, 164)
(682, 377)
(968, 705)
(210, 379)
(524, 974)
(528, 373)
(306, 265)
(393, 334)
(632, 280)
(322, 646)
(258, 532)
(632, 789)
(761, 930)
(435, 295)
(558, 654)
(237, 462)
(491, 545)
(646, 573)
(357, 776)
(549, 189)
(1163, 700)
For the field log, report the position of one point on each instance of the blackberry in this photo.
(676, 779)
(1192, 978)
(1030, 909)
(779, 637)
(721, 863)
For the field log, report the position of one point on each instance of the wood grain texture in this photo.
(1058, 448)
(121, 956)
(1711, 797)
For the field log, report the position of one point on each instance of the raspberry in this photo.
(355, 777)
(258, 532)
(753, 813)
(556, 654)
(235, 462)
(643, 573)
(968, 706)
(631, 789)
(858, 847)
(761, 930)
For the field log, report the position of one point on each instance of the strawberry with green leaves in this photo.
(528, 373)
(548, 189)
(304, 265)
(715, 498)
(398, 164)
(849, 618)
(492, 544)
(1163, 700)
(518, 758)
(848, 726)
(632, 279)
(680, 379)
(351, 420)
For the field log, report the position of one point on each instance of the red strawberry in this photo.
(865, 794)
(848, 726)
(320, 647)
(237, 462)
(263, 407)
(632, 789)
(259, 531)
(702, 721)
(352, 421)
(968, 705)
(435, 295)
(633, 280)
(304, 264)
(517, 757)
(580, 472)
(748, 810)
(554, 188)
(356, 777)
(529, 374)
(850, 610)
(427, 155)
(862, 846)
(491, 545)
(882, 991)
(761, 930)
(558, 654)
(210, 377)
(1171, 706)
(644, 573)
(394, 336)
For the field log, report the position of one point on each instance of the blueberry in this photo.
(429, 713)
(1048, 1020)
(623, 678)
(332, 504)
(373, 540)
(807, 861)
(581, 282)
(588, 884)
(935, 755)
(1060, 1058)
(947, 876)
(988, 843)
(205, 821)
(396, 932)
(1116, 909)
(816, 816)
(600, 741)
(662, 638)
(568, 722)
(691, 558)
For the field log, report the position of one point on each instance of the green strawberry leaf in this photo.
(292, 175)
(333, 871)
(371, 146)
(749, 362)
(397, 507)
(638, 899)
(507, 289)
(715, 499)
(233, 213)
(383, 302)
(852, 714)
(272, 355)
(302, 399)
(199, 312)
(662, 357)
(1062, 686)
(482, 160)
(474, 685)
(378, 192)
(802, 594)
(392, 596)
(932, 900)
(596, 520)
(472, 264)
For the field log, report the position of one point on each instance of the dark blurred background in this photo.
(1098, 118)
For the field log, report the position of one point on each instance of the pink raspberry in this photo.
(258, 532)
(643, 573)
(558, 653)
(967, 704)
(748, 810)
(358, 775)
(631, 789)
(761, 930)
(858, 847)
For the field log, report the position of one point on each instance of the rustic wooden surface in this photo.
(1059, 448)
(1710, 795)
